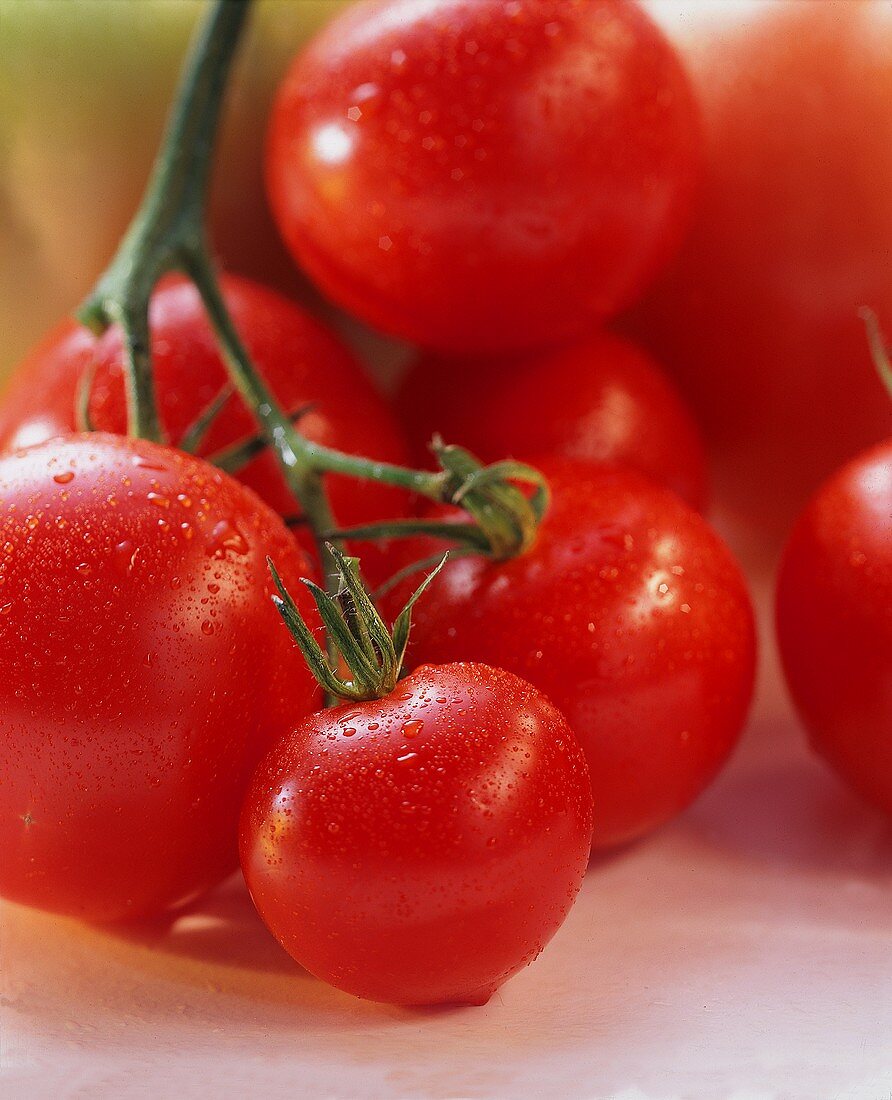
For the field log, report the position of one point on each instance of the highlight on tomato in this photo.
(143, 673)
(479, 175)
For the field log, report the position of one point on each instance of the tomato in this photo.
(834, 622)
(423, 847)
(603, 400)
(481, 174)
(757, 317)
(632, 617)
(143, 672)
(302, 362)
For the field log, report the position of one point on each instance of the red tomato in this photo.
(632, 616)
(424, 847)
(483, 174)
(834, 621)
(143, 672)
(757, 315)
(603, 400)
(301, 361)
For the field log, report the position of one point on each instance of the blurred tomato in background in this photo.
(757, 318)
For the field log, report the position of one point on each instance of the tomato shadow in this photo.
(794, 814)
(219, 929)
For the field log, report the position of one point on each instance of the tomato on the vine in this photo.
(303, 363)
(483, 174)
(631, 615)
(143, 672)
(423, 847)
(834, 622)
(603, 399)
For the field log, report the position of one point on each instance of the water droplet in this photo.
(349, 731)
(158, 500)
(413, 728)
(64, 478)
(145, 463)
(5, 609)
(84, 568)
(226, 536)
(125, 555)
(207, 627)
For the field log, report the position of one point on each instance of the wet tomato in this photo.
(481, 174)
(604, 400)
(143, 672)
(632, 616)
(834, 622)
(423, 847)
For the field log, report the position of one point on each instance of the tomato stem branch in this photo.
(169, 233)
(170, 221)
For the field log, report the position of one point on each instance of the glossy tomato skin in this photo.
(757, 315)
(302, 362)
(834, 622)
(424, 847)
(143, 672)
(476, 175)
(632, 616)
(603, 400)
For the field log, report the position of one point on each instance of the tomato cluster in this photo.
(492, 179)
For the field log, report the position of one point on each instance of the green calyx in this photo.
(372, 653)
(505, 518)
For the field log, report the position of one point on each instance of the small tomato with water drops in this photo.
(422, 842)
(423, 847)
(143, 672)
(834, 622)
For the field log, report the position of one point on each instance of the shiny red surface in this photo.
(475, 174)
(424, 847)
(143, 672)
(633, 618)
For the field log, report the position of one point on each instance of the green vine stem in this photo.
(168, 234)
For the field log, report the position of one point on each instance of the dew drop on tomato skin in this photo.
(111, 685)
(411, 874)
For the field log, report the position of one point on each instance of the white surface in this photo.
(744, 953)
